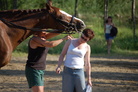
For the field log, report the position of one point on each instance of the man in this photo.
(35, 65)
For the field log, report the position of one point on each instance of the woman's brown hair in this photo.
(88, 33)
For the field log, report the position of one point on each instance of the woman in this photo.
(77, 53)
(36, 62)
(108, 37)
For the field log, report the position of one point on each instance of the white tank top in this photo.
(74, 57)
(108, 28)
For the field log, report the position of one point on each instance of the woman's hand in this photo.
(89, 82)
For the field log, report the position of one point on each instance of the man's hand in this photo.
(67, 37)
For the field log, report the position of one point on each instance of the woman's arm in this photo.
(88, 65)
(62, 55)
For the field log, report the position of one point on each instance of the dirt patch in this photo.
(109, 74)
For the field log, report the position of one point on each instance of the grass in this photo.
(19, 54)
(122, 44)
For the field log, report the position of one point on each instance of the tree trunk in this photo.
(0, 4)
(76, 10)
(3, 5)
(134, 21)
(14, 4)
(105, 10)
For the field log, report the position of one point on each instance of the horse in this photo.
(17, 25)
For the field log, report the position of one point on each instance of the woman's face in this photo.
(109, 19)
(83, 38)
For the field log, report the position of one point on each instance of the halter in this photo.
(70, 27)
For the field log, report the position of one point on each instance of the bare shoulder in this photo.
(35, 42)
(35, 38)
(74, 39)
(88, 47)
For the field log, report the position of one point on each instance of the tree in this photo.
(8, 4)
(134, 20)
(14, 4)
(76, 5)
(3, 4)
(105, 10)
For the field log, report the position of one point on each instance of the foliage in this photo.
(29, 4)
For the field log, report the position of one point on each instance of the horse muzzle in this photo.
(80, 26)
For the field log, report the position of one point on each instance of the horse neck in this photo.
(29, 22)
(29, 19)
(20, 35)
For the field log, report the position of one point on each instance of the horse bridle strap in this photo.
(68, 25)
(34, 29)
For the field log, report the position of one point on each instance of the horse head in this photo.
(61, 20)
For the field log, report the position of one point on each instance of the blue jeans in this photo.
(107, 36)
(73, 79)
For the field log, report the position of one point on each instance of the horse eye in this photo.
(61, 17)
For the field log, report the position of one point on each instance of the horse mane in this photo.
(15, 13)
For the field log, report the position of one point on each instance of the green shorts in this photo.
(34, 77)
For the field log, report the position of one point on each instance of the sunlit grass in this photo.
(19, 54)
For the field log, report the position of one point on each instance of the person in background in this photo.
(108, 37)
(77, 53)
(36, 63)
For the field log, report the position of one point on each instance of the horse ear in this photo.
(48, 7)
(49, 2)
